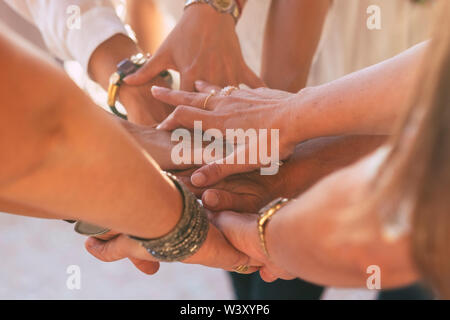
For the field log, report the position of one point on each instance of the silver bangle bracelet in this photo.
(187, 236)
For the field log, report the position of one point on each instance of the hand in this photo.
(157, 143)
(243, 109)
(141, 107)
(147, 267)
(216, 252)
(246, 192)
(241, 231)
(203, 45)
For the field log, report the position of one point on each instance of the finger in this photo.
(116, 249)
(252, 80)
(241, 231)
(154, 66)
(214, 172)
(176, 98)
(216, 252)
(206, 87)
(220, 200)
(187, 82)
(147, 267)
(187, 181)
(267, 276)
(184, 117)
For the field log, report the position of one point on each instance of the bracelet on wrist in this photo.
(265, 215)
(187, 237)
(124, 69)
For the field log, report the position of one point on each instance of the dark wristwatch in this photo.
(124, 69)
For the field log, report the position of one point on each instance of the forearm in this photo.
(72, 161)
(369, 101)
(330, 236)
(317, 158)
(137, 100)
(292, 34)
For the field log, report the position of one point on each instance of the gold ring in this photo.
(241, 269)
(212, 93)
(228, 90)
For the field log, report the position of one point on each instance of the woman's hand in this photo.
(240, 109)
(215, 252)
(147, 267)
(203, 45)
(246, 192)
(241, 230)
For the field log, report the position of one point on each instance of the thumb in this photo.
(154, 66)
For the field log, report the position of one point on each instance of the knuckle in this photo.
(214, 170)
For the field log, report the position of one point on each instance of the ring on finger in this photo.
(228, 90)
(212, 93)
(241, 269)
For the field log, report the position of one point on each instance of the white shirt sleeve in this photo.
(56, 19)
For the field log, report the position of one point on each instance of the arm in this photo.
(64, 158)
(292, 34)
(98, 45)
(53, 130)
(203, 45)
(369, 101)
(311, 161)
(327, 235)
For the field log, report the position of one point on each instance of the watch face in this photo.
(223, 5)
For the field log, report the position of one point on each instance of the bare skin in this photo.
(203, 45)
(65, 158)
(326, 236)
(366, 102)
(311, 161)
(291, 37)
(141, 107)
(147, 22)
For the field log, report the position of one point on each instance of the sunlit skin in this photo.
(366, 102)
(203, 46)
(65, 158)
(316, 237)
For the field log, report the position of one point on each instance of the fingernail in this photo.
(199, 82)
(198, 179)
(159, 126)
(157, 89)
(211, 199)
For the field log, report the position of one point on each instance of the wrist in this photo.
(300, 116)
(104, 60)
(207, 14)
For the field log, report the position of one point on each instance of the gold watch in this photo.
(222, 6)
(265, 214)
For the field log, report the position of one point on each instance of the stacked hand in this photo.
(239, 109)
(215, 252)
(203, 45)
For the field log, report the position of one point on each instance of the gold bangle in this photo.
(265, 214)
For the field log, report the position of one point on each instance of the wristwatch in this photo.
(124, 69)
(222, 6)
